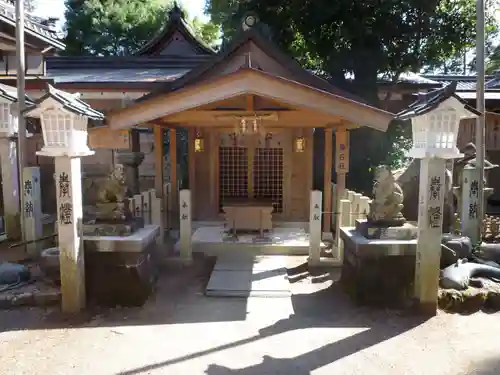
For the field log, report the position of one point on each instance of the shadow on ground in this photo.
(326, 308)
(488, 367)
(179, 299)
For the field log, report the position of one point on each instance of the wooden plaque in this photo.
(341, 152)
(105, 138)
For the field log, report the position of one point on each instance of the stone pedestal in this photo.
(10, 188)
(120, 270)
(120, 278)
(378, 272)
(69, 220)
(131, 161)
(406, 231)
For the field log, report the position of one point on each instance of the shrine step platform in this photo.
(215, 240)
(243, 275)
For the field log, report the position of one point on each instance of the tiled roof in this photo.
(88, 69)
(115, 75)
(10, 93)
(124, 62)
(71, 102)
(35, 26)
(428, 101)
(465, 83)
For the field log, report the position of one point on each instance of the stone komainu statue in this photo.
(387, 202)
(114, 189)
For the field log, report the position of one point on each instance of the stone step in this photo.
(249, 276)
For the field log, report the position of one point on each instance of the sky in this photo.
(55, 8)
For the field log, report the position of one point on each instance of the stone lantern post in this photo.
(64, 120)
(435, 119)
(8, 158)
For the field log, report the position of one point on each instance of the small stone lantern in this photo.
(435, 119)
(64, 118)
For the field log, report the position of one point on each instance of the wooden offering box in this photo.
(249, 215)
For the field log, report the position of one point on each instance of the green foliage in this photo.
(209, 32)
(493, 63)
(360, 40)
(118, 27)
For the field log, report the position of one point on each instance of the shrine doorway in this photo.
(252, 171)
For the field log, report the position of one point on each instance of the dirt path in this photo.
(180, 331)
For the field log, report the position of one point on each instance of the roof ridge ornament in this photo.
(250, 19)
(176, 12)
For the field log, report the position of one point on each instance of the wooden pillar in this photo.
(174, 193)
(159, 152)
(192, 166)
(341, 159)
(327, 183)
(341, 169)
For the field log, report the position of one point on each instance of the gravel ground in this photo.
(316, 331)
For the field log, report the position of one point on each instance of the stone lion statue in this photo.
(387, 202)
(114, 189)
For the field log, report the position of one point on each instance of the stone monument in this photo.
(379, 252)
(111, 215)
(465, 190)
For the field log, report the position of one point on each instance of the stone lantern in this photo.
(435, 119)
(8, 157)
(64, 120)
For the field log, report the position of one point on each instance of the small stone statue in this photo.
(111, 197)
(386, 206)
(114, 188)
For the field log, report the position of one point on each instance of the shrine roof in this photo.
(271, 49)
(70, 102)
(9, 93)
(176, 23)
(120, 69)
(428, 101)
(464, 82)
(34, 26)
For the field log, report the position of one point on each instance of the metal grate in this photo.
(268, 176)
(233, 173)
